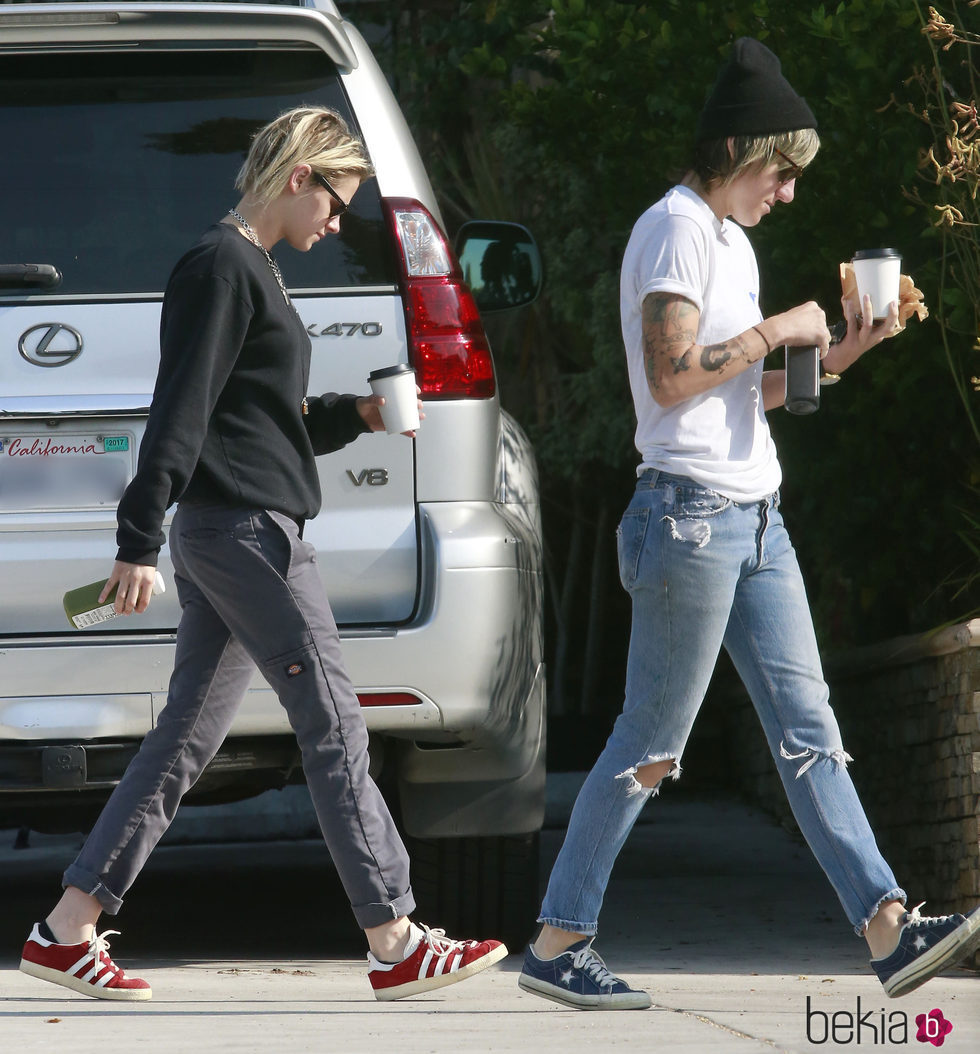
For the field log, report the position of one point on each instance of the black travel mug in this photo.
(802, 380)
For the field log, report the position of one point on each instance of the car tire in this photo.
(478, 887)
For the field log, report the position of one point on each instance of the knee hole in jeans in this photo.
(651, 775)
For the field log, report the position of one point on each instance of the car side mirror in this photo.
(501, 264)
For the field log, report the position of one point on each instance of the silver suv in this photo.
(123, 127)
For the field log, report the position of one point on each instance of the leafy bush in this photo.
(576, 118)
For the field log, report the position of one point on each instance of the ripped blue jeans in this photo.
(703, 571)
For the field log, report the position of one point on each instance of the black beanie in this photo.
(752, 97)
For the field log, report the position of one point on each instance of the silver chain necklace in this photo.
(254, 239)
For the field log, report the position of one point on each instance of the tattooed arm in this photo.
(677, 367)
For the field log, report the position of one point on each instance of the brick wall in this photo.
(909, 712)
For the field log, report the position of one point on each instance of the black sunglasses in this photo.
(340, 206)
(788, 174)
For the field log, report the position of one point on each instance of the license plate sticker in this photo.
(58, 472)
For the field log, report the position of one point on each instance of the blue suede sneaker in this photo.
(579, 978)
(927, 945)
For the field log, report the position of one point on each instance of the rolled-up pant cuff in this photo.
(371, 915)
(91, 884)
(588, 928)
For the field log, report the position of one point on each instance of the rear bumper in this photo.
(471, 660)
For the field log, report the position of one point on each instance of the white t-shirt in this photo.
(720, 438)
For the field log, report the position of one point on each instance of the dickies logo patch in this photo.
(294, 669)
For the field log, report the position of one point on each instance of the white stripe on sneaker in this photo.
(94, 974)
(446, 966)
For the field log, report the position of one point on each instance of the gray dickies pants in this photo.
(251, 597)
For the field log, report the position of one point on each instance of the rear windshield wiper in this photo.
(43, 276)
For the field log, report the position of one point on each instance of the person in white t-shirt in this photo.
(704, 553)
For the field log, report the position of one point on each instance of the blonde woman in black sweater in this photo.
(232, 437)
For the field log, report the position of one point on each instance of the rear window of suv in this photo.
(115, 162)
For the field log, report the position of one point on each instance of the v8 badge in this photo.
(373, 477)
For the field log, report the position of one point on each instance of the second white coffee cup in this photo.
(877, 273)
(396, 385)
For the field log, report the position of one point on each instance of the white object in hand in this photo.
(877, 273)
(396, 385)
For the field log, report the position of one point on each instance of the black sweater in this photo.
(226, 424)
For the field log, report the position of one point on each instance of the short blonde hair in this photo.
(313, 135)
(717, 166)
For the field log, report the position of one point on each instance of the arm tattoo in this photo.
(670, 325)
(715, 357)
(682, 363)
(669, 329)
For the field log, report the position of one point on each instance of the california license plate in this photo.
(52, 472)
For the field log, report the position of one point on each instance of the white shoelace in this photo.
(91, 967)
(98, 944)
(915, 919)
(585, 959)
(439, 942)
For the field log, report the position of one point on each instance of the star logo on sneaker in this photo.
(927, 945)
(579, 978)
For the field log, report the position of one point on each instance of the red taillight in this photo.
(447, 344)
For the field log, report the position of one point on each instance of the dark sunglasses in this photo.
(786, 175)
(340, 206)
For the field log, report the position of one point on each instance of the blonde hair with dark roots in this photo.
(313, 135)
(717, 166)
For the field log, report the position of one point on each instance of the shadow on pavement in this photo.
(704, 884)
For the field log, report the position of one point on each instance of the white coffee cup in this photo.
(877, 272)
(396, 385)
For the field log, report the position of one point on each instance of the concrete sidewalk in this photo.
(720, 914)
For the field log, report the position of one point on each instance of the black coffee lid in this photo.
(390, 371)
(876, 254)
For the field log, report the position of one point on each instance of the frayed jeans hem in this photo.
(895, 894)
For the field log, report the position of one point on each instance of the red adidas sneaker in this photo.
(436, 961)
(84, 967)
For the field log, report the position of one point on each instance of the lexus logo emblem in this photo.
(50, 344)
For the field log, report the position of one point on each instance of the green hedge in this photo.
(573, 117)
